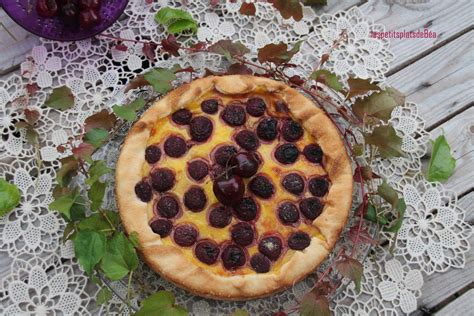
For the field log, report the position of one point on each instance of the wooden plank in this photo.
(464, 305)
(447, 18)
(15, 43)
(441, 83)
(459, 132)
(440, 286)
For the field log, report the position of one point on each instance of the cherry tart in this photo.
(237, 186)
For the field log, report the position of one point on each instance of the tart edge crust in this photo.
(170, 261)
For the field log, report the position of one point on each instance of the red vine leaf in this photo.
(288, 8)
(137, 82)
(198, 46)
(277, 53)
(351, 269)
(31, 88)
(297, 80)
(31, 116)
(121, 47)
(387, 141)
(83, 151)
(213, 3)
(311, 305)
(171, 45)
(379, 105)
(229, 49)
(149, 50)
(360, 87)
(239, 69)
(248, 9)
(102, 119)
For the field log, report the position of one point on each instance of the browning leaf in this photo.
(387, 141)
(137, 82)
(288, 8)
(171, 45)
(102, 119)
(388, 193)
(312, 305)
(83, 151)
(229, 49)
(360, 86)
(277, 53)
(149, 50)
(239, 69)
(31, 116)
(365, 172)
(379, 105)
(351, 269)
(328, 78)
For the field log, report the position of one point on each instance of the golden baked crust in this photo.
(170, 260)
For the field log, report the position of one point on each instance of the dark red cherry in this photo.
(262, 187)
(185, 235)
(260, 263)
(167, 206)
(267, 129)
(210, 106)
(256, 107)
(195, 199)
(94, 4)
(47, 8)
(152, 154)
(233, 257)
(318, 186)
(270, 247)
(161, 226)
(299, 241)
(198, 169)
(247, 140)
(244, 164)
(311, 208)
(246, 209)
(229, 189)
(288, 213)
(207, 251)
(220, 216)
(175, 146)
(143, 191)
(291, 130)
(293, 183)
(182, 117)
(89, 18)
(162, 179)
(242, 234)
(313, 153)
(234, 115)
(286, 153)
(223, 154)
(200, 128)
(69, 15)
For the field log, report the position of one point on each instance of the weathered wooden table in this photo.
(436, 73)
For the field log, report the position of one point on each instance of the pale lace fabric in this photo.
(44, 278)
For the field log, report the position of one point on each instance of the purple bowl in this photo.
(53, 28)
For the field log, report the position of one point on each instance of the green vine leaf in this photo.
(388, 193)
(69, 166)
(60, 99)
(229, 49)
(330, 79)
(160, 79)
(313, 304)
(31, 134)
(351, 269)
(102, 119)
(288, 8)
(64, 203)
(89, 247)
(128, 112)
(400, 208)
(277, 53)
(240, 312)
(103, 296)
(387, 141)
(96, 194)
(360, 87)
(379, 105)
(120, 258)
(96, 137)
(98, 223)
(9, 197)
(176, 20)
(97, 169)
(371, 215)
(161, 303)
(442, 163)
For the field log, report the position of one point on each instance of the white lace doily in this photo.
(44, 277)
